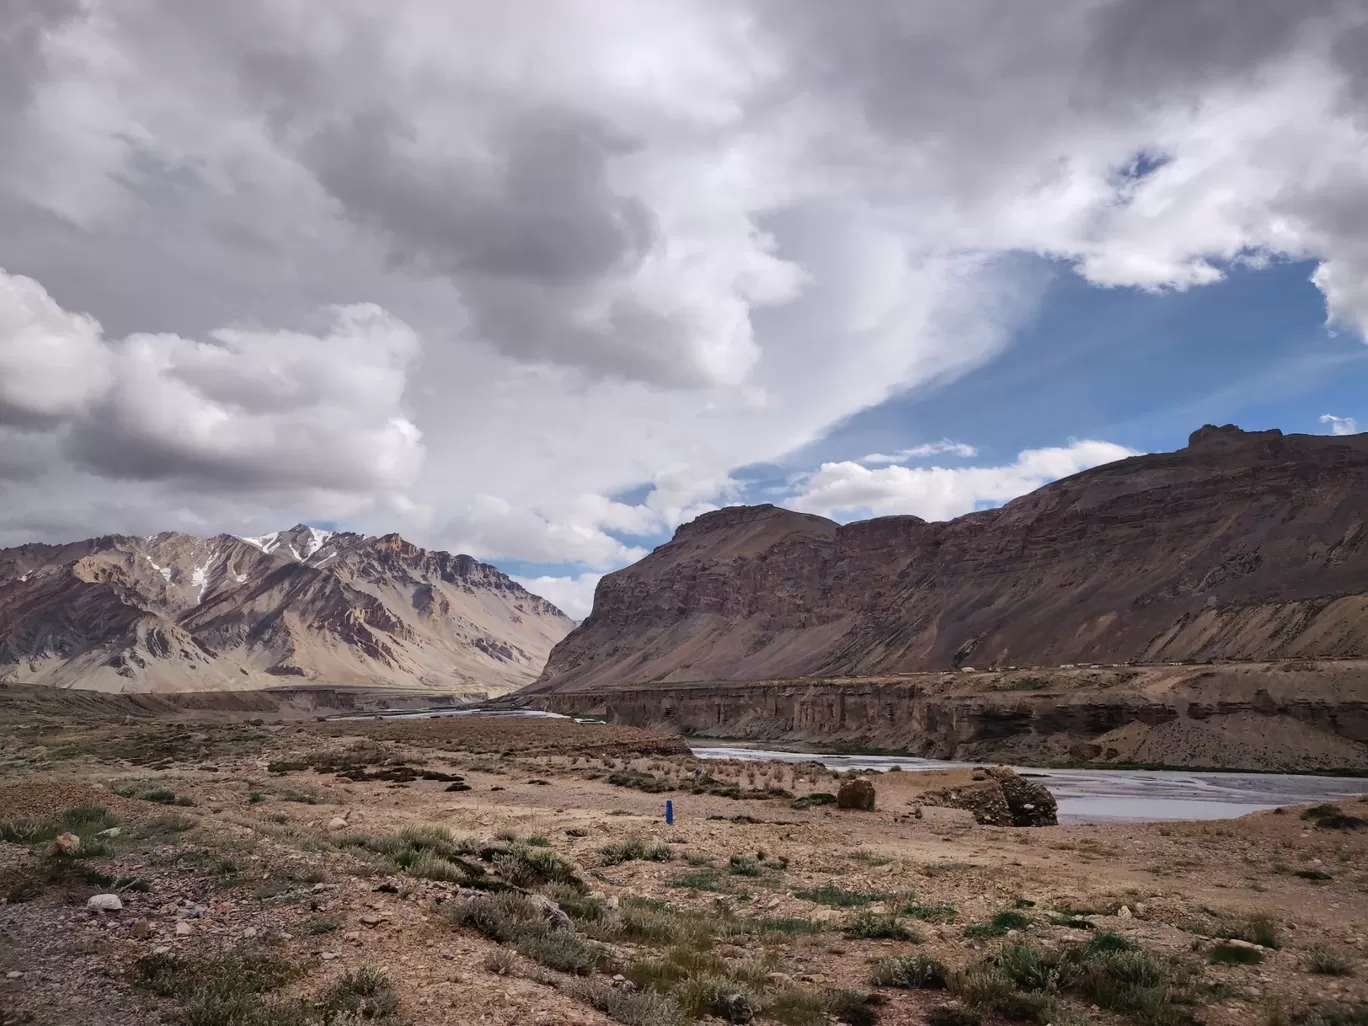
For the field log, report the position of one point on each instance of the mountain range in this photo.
(174, 612)
(1242, 546)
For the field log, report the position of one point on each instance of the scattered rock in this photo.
(141, 929)
(337, 823)
(250, 932)
(184, 929)
(104, 903)
(986, 801)
(370, 919)
(1123, 912)
(552, 913)
(814, 799)
(327, 956)
(14, 974)
(855, 794)
(734, 1007)
(110, 832)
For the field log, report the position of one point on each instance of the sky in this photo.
(539, 281)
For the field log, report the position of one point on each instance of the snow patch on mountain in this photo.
(267, 543)
(317, 539)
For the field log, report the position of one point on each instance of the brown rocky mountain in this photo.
(1241, 546)
(174, 612)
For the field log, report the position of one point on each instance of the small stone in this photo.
(250, 932)
(1123, 912)
(355, 938)
(328, 956)
(141, 929)
(104, 903)
(319, 888)
(337, 823)
(110, 832)
(370, 919)
(184, 929)
(14, 974)
(161, 949)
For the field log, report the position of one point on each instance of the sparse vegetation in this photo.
(1324, 960)
(516, 919)
(1332, 817)
(868, 926)
(840, 897)
(999, 926)
(913, 971)
(1234, 954)
(633, 849)
(149, 791)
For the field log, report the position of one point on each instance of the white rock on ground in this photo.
(104, 903)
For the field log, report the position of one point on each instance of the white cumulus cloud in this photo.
(574, 596)
(940, 493)
(1340, 425)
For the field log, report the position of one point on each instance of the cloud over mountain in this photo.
(577, 252)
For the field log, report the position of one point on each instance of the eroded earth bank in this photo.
(1297, 716)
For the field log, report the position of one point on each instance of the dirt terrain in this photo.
(405, 872)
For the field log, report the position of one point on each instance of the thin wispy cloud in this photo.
(918, 452)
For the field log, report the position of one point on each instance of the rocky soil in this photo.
(318, 852)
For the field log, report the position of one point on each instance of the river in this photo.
(1115, 796)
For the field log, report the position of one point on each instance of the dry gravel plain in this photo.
(509, 871)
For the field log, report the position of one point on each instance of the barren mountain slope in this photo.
(1241, 546)
(177, 613)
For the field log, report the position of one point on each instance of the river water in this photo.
(1084, 796)
(1115, 796)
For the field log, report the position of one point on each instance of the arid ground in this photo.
(513, 871)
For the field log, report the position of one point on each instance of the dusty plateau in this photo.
(501, 871)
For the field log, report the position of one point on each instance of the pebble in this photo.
(14, 974)
(184, 929)
(250, 932)
(337, 823)
(1123, 912)
(141, 929)
(104, 903)
(328, 956)
(370, 920)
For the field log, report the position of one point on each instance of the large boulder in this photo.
(855, 794)
(1031, 803)
(1004, 799)
(985, 800)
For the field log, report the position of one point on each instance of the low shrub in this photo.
(634, 849)
(911, 971)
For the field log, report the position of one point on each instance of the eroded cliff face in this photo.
(1241, 546)
(1295, 717)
